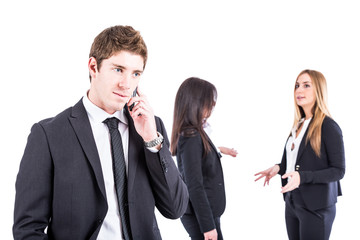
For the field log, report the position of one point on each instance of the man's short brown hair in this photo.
(115, 39)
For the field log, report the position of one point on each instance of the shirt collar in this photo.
(306, 124)
(98, 115)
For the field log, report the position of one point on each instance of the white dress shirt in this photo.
(208, 130)
(111, 227)
(294, 142)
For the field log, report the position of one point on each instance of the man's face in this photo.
(113, 84)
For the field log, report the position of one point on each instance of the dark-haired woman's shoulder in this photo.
(190, 138)
(190, 149)
(190, 132)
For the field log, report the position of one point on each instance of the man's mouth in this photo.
(121, 95)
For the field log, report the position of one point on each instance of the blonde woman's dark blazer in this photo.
(204, 179)
(320, 176)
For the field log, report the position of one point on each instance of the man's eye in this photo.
(117, 69)
(137, 74)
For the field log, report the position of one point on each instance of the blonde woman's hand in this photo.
(293, 183)
(268, 174)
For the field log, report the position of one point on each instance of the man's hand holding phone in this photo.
(143, 116)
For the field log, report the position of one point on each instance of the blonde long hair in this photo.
(319, 110)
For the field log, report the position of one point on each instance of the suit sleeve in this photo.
(191, 153)
(282, 165)
(33, 188)
(171, 194)
(334, 148)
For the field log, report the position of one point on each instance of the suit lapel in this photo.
(215, 148)
(135, 149)
(302, 147)
(81, 125)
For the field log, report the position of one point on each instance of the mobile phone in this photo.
(133, 95)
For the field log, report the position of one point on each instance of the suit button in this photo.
(164, 165)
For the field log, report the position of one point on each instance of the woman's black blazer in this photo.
(204, 179)
(319, 176)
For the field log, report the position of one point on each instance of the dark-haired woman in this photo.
(198, 159)
(313, 162)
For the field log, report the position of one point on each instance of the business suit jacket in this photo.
(319, 176)
(60, 184)
(204, 179)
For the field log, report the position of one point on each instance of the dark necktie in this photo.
(120, 179)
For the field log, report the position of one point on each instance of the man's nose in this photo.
(125, 81)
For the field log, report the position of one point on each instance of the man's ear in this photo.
(93, 68)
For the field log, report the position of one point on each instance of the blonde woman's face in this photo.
(304, 92)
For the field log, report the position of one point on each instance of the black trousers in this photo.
(191, 225)
(305, 224)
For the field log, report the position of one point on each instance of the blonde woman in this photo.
(312, 164)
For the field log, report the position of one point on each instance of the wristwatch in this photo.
(155, 141)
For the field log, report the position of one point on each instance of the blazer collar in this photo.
(302, 145)
(214, 147)
(81, 125)
(136, 144)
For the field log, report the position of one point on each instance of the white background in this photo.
(251, 50)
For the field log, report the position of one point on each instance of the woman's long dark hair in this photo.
(194, 102)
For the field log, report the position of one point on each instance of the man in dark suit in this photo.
(65, 188)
